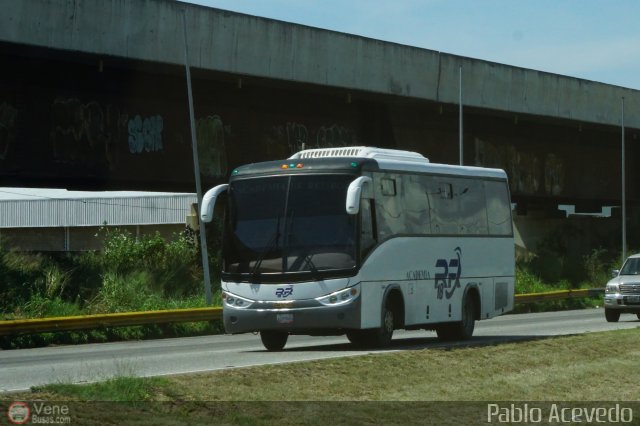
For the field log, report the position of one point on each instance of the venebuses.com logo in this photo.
(18, 413)
(38, 412)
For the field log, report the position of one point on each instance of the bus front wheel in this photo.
(379, 337)
(385, 333)
(274, 340)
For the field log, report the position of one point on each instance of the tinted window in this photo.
(498, 208)
(457, 206)
(289, 224)
(441, 205)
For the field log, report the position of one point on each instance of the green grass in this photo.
(547, 369)
(589, 367)
(116, 389)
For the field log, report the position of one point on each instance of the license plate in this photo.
(633, 299)
(284, 318)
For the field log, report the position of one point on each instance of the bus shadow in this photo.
(434, 343)
(413, 343)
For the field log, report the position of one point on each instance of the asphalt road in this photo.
(21, 369)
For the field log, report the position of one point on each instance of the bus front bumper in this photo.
(306, 320)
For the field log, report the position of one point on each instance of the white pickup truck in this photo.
(622, 294)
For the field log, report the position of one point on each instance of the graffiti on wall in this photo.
(553, 174)
(528, 172)
(212, 156)
(82, 131)
(92, 131)
(296, 135)
(524, 171)
(8, 116)
(335, 135)
(145, 134)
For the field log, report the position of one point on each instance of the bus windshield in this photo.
(289, 224)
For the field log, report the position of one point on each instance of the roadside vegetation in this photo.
(129, 274)
(342, 391)
(549, 269)
(150, 273)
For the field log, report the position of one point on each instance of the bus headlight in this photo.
(232, 300)
(340, 297)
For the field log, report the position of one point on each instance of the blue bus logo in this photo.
(284, 292)
(448, 278)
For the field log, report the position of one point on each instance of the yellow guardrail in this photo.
(41, 325)
(557, 295)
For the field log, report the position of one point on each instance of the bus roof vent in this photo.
(362, 151)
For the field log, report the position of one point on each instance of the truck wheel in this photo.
(612, 315)
(462, 330)
(274, 340)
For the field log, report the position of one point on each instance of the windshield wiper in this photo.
(308, 262)
(273, 243)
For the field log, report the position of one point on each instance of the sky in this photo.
(596, 40)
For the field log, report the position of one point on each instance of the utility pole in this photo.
(460, 142)
(196, 168)
(624, 193)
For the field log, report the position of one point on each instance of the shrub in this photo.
(597, 266)
(41, 306)
(180, 273)
(19, 275)
(53, 281)
(126, 293)
(527, 282)
(86, 270)
(174, 266)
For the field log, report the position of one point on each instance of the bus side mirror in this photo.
(353, 194)
(209, 202)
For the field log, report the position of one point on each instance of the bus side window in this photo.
(388, 187)
(368, 230)
(498, 208)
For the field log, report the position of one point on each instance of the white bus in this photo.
(362, 241)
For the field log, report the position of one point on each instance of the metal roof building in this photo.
(61, 220)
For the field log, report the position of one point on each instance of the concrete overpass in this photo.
(93, 96)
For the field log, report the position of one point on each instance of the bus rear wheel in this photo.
(274, 340)
(462, 330)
